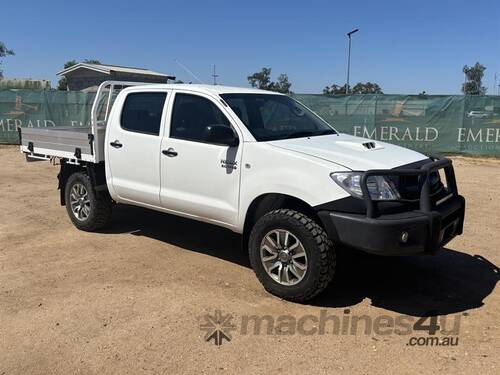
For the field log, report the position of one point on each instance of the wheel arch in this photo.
(96, 173)
(267, 202)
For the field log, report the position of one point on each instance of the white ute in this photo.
(258, 163)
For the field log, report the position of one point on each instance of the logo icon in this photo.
(217, 327)
(22, 108)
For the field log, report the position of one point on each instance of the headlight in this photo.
(379, 187)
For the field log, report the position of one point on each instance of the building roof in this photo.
(107, 69)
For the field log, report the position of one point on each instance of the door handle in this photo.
(116, 144)
(169, 152)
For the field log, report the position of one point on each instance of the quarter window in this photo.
(191, 116)
(142, 112)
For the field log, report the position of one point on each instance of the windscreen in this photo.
(271, 117)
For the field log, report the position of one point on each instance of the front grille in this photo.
(409, 186)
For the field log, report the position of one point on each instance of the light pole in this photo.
(349, 59)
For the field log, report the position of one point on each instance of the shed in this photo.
(84, 76)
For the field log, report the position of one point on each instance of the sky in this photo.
(404, 46)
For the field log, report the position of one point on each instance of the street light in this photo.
(349, 59)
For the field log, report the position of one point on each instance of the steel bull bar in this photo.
(421, 229)
(424, 171)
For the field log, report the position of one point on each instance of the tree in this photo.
(262, 80)
(366, 88)
(282, 84)
(334, 89)
(474, 79)
(63, 84)
(4, 51)
(359, 88)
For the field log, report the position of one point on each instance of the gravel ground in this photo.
(137, 297)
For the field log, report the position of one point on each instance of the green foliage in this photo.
(334, 89)
(474, 79)
(262, 80)
(63, 84)
(4, 51)
(366, 88)
(359, 88)
(281, 85)
(70, 63)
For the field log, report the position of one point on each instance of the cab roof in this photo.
(208, 89)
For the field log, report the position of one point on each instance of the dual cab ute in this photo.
(258, 163)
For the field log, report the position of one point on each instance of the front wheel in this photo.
(88, 210)
(291, 255)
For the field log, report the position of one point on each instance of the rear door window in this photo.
(142, 112)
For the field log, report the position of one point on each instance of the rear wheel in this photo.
(291, 255)
(88, 210)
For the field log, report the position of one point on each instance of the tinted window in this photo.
(239, 107)
(142, 112)
(271, 117)
(192, 114)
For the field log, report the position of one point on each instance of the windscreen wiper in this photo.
(304, 133)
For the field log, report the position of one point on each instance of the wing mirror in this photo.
(221, 135)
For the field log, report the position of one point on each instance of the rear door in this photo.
(199, 178)
(133, 146)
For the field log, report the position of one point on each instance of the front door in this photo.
(133, 147)
(199, 178)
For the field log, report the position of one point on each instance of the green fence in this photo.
(38, 109)
(448, 124)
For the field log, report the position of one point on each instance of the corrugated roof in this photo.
(107, 69)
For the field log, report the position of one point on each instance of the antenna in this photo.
(495, 85)
(215, 76)
(188, 71)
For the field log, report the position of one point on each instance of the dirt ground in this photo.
(134, 298)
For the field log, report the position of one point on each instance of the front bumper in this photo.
(418, 231)
(427, 232)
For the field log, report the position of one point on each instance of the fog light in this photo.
(404, 237)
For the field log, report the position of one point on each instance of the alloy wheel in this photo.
(283, 257)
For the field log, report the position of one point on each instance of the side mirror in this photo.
(221, 135)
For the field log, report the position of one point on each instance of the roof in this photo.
(107, 69)
(210, 89)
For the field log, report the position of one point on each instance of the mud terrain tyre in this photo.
(88, 210)
(291, 255)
